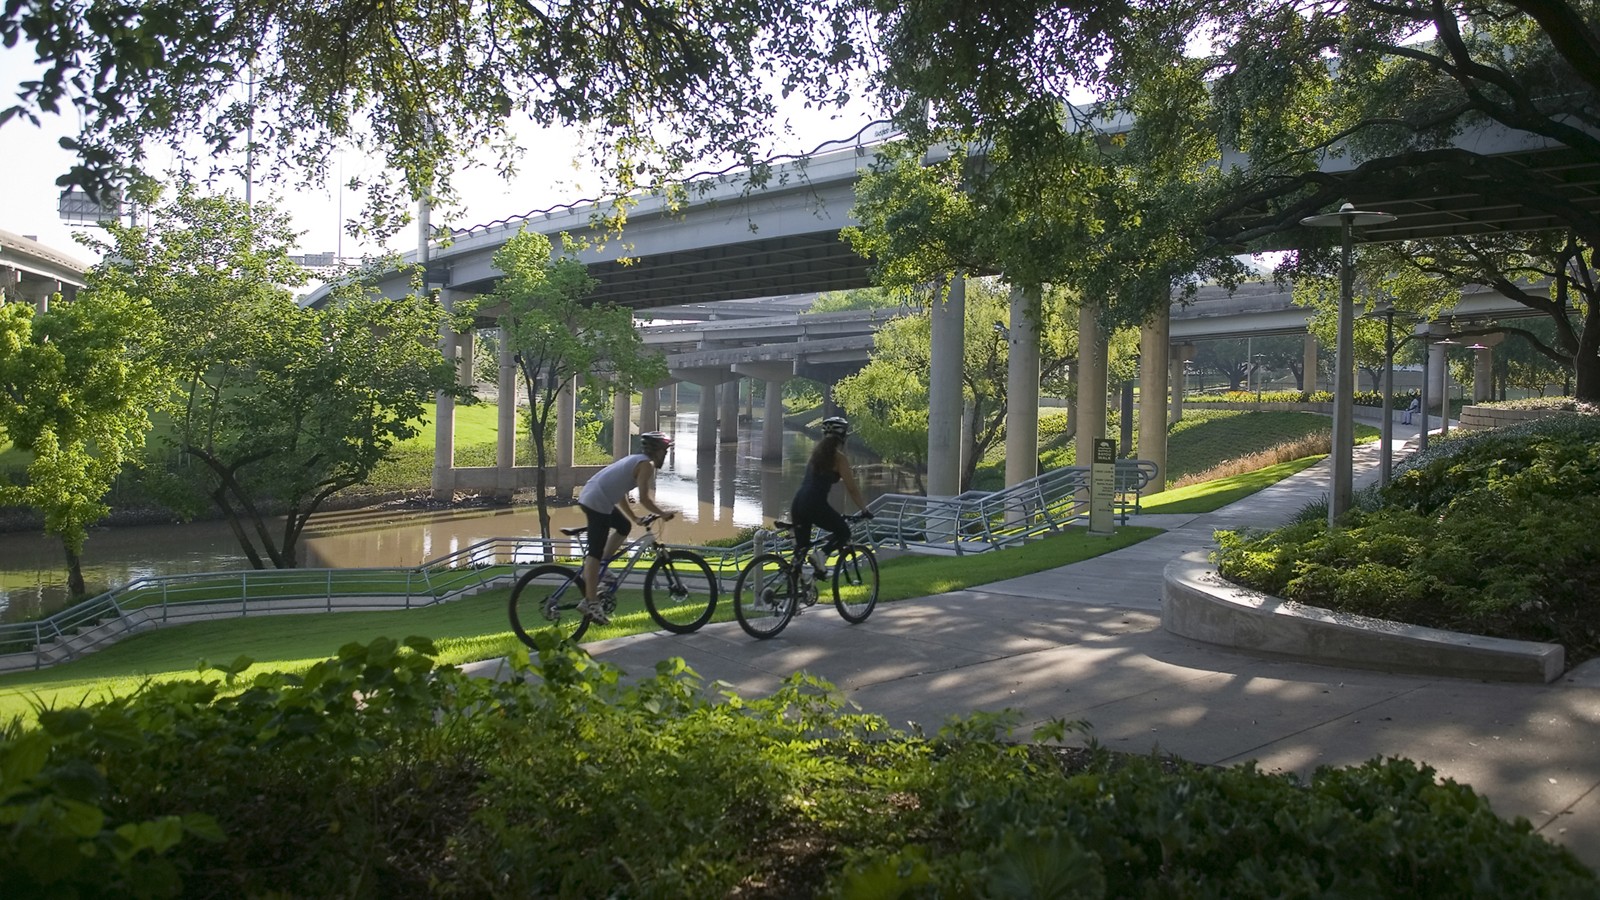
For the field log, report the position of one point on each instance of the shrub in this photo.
(1490, 533)
(378, 774)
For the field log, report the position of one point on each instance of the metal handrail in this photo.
(974, 521)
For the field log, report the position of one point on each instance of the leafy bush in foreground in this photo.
(378, 774)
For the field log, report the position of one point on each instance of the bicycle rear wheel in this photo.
(855, 583)
(547, 596)
(680, 591)
(764, 597)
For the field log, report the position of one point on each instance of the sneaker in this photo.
(594, 611)
(819, 563)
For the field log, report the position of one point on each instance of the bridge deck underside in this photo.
(761, 267)
(1490, 203)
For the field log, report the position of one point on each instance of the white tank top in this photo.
(610, 485)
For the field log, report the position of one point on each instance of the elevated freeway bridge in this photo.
(736, 240)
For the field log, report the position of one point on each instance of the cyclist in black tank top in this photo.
(828, 466)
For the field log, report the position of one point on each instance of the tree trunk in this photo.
(1586, 362)
(75, 585)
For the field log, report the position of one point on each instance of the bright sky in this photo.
(31, 159)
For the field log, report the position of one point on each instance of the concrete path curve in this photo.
(1085, 642)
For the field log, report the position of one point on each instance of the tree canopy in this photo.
(77, 384)
(656, 84)
(282, 406)
(557, 336)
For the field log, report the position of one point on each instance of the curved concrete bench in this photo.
(1197, 603)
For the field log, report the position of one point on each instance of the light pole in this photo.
(1343, 382)
(1425, 332)
(1385, 310)
(1259, 358)
(1444, 402)
(1478, 390)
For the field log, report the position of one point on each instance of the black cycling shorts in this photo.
(600, 524)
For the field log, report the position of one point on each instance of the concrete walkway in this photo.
(1085, 642)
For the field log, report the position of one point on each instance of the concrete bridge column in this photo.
(1154, 368)
(566, 414)
(621, 421)
(1177, 377)
(772, 421)
(464, 351)
(1022, 387)
(444, 417)
(649, 408)
(1483, 368)
(707, 379)
(672, 398)
(1091, 381)
(505, 443)
(1309, 362)
(944, 389)
(706, 438)
(729, 416)
(773, 374)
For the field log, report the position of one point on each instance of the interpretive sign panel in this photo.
(1102, 486)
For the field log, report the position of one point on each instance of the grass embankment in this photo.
(464, 630)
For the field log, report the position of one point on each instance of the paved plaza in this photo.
(1084, 641)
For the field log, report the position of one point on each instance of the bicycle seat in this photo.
(782, 524)
(575, 531)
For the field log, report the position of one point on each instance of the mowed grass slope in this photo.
(466, 630)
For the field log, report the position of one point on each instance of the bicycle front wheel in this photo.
(547, 596)
(680, 591)
(764, 597)
(855, 583)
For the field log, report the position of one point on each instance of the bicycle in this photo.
(680, 590)
(774, 588)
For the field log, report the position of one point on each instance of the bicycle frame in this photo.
(635, 549)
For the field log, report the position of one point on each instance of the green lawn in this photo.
(1213, 495)
(465, 630)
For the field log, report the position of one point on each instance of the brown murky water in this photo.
(718, 493)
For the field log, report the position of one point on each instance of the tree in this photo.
(654, 84)
(888, 399)
(557, 337)
(1385, 86)
(282, 406)
(862, 298)
(1520, 361)
(1409, 78)
(77, 384)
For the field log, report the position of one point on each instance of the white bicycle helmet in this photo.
(836, 425)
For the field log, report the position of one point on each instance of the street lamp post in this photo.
(1386, 311)
(1444, 402)
(1259, 358)
(1425, 332)
(1343, 381)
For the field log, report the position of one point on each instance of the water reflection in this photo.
(718, 492)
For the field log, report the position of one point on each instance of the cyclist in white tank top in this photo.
(604, 500)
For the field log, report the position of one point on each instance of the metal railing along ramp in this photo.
(971, 522)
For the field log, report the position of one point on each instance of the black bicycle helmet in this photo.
(836, 425)
(654, 440)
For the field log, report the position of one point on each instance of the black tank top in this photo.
(814, 487)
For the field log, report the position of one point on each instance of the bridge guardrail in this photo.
(971, 522)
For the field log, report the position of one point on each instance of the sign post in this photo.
(1102, 487)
